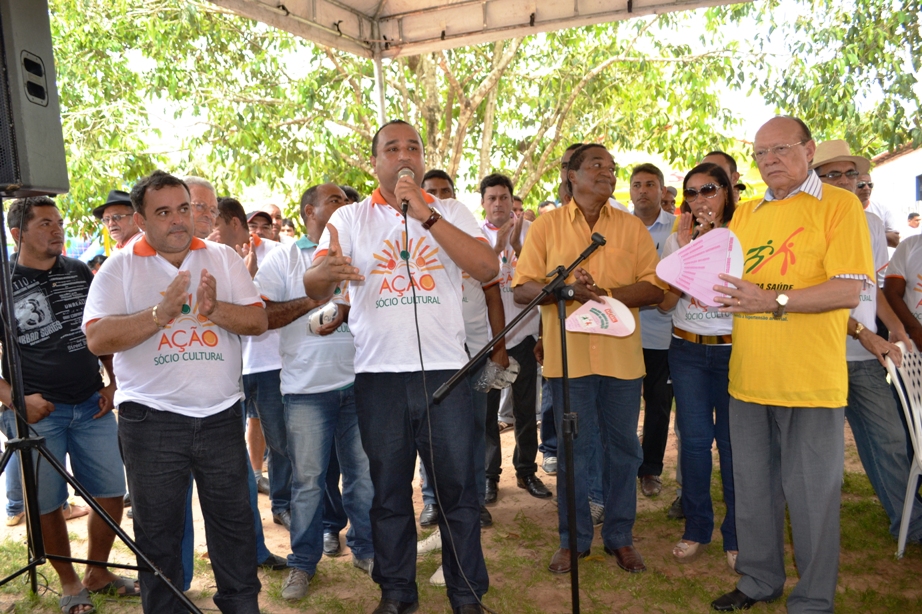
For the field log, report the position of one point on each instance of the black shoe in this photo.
(262, 485)
(429, 516)
(736, 600)
(468, 608)
(283, 518)
(331, 545)
(274, 562)
(675, 510)
(534, 486)
(492, 487)
(126, 501)
(392, 606)
(486, 518)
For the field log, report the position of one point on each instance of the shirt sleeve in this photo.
(461, 217)
(341, 220)
(672, 245)
(849, 242)
(106, 296)
(898, 264)
(271, 277)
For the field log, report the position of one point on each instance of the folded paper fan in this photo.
(694, 268)
(610, 317)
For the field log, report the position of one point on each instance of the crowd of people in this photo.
(225, 341)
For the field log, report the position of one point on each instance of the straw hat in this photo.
(838, 151)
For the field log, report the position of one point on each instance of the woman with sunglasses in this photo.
(699, 359)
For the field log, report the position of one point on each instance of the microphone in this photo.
(405, 172)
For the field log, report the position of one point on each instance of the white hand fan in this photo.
(694, 268)
(610, 317)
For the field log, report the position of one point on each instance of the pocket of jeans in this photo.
(133, 412)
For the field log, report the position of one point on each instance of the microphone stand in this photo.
(570, 429)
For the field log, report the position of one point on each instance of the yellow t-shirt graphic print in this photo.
(792, 244)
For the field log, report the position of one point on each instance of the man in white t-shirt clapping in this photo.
(405, 287)
(171, 309)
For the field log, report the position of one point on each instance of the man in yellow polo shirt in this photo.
(605, 372)
(807, 255)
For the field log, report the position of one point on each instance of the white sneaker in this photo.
(433, 543)
(295, 585)
(438, 578)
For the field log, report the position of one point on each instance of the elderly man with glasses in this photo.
(117, 215)
(807, 257)
(204, 202)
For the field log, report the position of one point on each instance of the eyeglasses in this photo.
(865, 184)
(838, 174)
(114, 218)
(708, 190)
(204, 208)
(778, 150)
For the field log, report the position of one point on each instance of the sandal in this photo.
(687, 551)
(69, 602)
(120, 587)
(75, 511)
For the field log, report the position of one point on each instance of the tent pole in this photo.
(379, 85)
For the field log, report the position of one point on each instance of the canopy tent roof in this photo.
(394, 28)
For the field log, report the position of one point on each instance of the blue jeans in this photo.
(480, 416)
(263, 391)
(91, 443)
(548, 445)
(700, 376)
(396, 426)
(313, 422)
(609, 408)
(881, 441)
(334, 514)
(162, 450)
(14, 501)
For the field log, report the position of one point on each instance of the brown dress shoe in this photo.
(628, 559)
(560, 562)
(651, 485)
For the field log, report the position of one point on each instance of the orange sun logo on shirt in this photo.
(918, 288)
(393, 260)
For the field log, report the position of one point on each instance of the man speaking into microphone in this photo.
(605, 372)
(404, 274)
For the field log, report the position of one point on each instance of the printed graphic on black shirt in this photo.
(33, 311)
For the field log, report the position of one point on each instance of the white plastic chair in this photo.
(908, 381)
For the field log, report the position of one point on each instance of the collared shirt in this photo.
(656, 326)
(628, 257)
(812, 185)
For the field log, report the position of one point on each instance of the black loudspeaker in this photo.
(32, 160)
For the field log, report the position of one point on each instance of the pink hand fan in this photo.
(610, 317)
(694, 268)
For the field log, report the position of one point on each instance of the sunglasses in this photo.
(865, 184)
(838, 174)
(708, 190)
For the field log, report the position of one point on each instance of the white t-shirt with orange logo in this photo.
(528, 327)
(261, 354)
(382, 320)
(192, 366)
(693, 316)
(906, 264)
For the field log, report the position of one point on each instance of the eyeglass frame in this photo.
(861, 184)
(200, 207)
(838, 174)
(779, 151)
(115, 217)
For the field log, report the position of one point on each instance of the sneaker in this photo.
(438, 578)
(550, 465)
(365, 565)
(675, 510)
(597, 511)
(12, 521)
(433, 543)
(296, 585)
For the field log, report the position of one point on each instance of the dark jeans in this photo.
(524, 401)
(657, 399)
(162, 452)
(548, 446)
(263, 392)
(334, 514)
(395, 427)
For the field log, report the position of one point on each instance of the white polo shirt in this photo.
(310, 363)
(382, 318)
(261, 354)
(191, 367)
(528, 327)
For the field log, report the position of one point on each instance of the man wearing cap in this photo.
(807, 255)
(872, 411)
(260, 225)
(117, 216)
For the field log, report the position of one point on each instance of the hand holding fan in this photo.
(610, 317)
(694, 269)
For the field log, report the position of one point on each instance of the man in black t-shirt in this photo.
(66, 402)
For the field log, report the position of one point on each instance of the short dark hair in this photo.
(230, 208)
(437, 173)
(518, 198)
(545, 203)
(374, 139)
(310, 197)
(573, 146)
(730, 160)
(651, 169)
(577, 161)
(96, 261)
(351, 193)
(155, 181)
(717, 173)
(493, 180)
(22, 210)
(912, 216)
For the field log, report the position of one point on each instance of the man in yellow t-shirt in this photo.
(807, 255)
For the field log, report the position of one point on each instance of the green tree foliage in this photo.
(272, 108)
